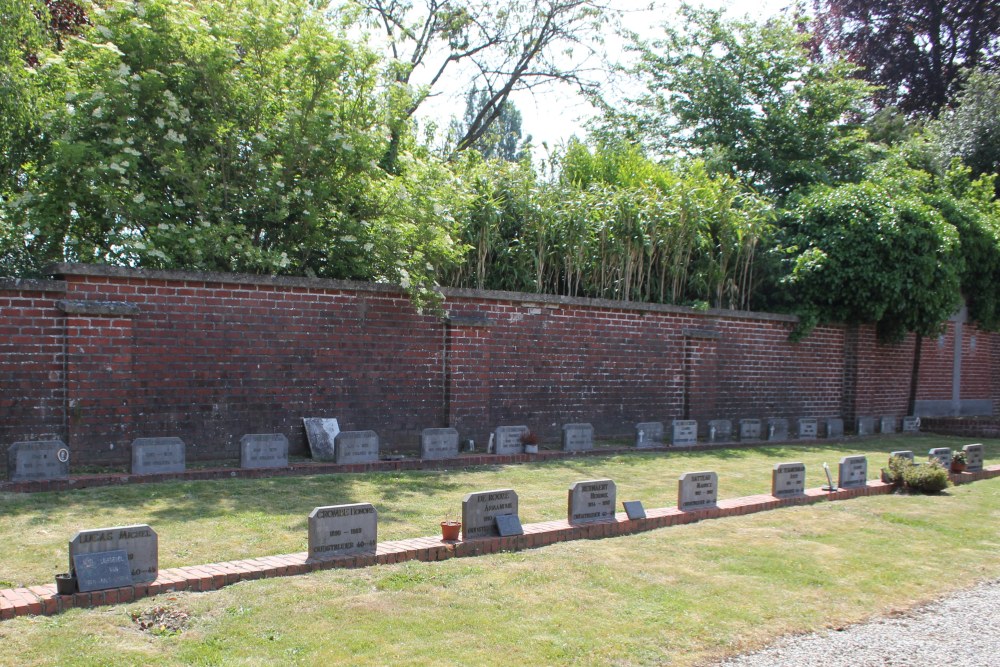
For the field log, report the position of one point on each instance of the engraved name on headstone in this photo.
(720, 430)
(100, 571)
(343, 530)
(577, 437)
(911, 424)
(887, 425)
(942, 455)
(648, 434)
(749, 429)
(139, 542)
(684, 432)
(808, 428)
(321, 433)
(592, 500)
(43, 459)
(788, 479)
(264, 450)
(508, 440)
(697, 490)
(974, 455)
(903, 453)
(777, 429)
(865, 426)
(480, 510)
(152, 456)
(357, 447)
(853, 471)
(438, 443)
(834, 427)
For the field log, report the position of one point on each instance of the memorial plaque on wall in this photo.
(101, 571)
(974, 457)
(343, 530)
(321, 433)
(577, 437)
(264, 450)
(777, 429)
(853, 472)
(648, 434)
(942, 455)
(749, 429)
(697, 490)
(139, 542)
(834, 427)
(720, 430)
(43, 459)
(788, 479)
(865, 426)
(438, 443)
(808, 428)
(480, 510)
(684, 432)
(155, 456)
(507, 439)
(592, 500)
(357, 447)
(887, 425)
(911, 424)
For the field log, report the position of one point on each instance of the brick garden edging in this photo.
(43, 600)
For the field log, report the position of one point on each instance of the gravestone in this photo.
(649, 434)
(749, 429)
(438, 443)
(808, 428)
(264, 450)
(903, 453)
(942, 455)
(577, 437)
(834, 427)
(777, 429)
(887, 425)
(788, 479)
(343, 530)
(974, 455)
(480, 511)
(634, 509)
(853, 472)
(508, 439)
(101, 571)
(139, 542)
(720, 430)
(357, 447)
(592, 500)
(509, 525)
(865, 426)
(43, 459)
(154, 456)
(322, 434)
(911, 424)
(684, 432)
(697, 490)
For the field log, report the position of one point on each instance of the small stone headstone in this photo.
(788, 479)
(343, 530)
(634, 509)
(508, 440)
(697, 490)
(44, 459)
(974, 456)
(942, 455)
(853, 472)
(911, 424)
(777, 429)
(720, 430)
(749, 429)
(887, 425)
(357, 447)
(438, 443)
(865, 426)
(139, 542)
(509, 525)
(480, 510)
(903, 453)
(808, 428)
(577, 437)
(835, 427)
(153, 456)
(264, 450)
(592, 500)
(649, 434)
(684, 432)
(322, 434)
(101, 571)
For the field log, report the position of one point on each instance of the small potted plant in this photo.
(450, 529)
(530, 442)
(959, 460)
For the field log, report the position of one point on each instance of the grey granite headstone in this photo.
(264, 450)
(139, 542)
(357, 447)
(592, 500)
(720, 430)
(509, 525)
(508, 439)
(749, 429)
(343, 530)
(911, 424)
(684, 432)
(480, 510)
(153, 456)
(788, 479)
(834, 427)
(777, 429)
(974, 455)
(634, 509)
(865, 426)
(577, 437)
(808, 428)
(438, 443)
(322, 436)
(853, 472)
(942, 455)
(697, 490)
(887, 425)
(903, 453)
(648, 434)
(101, 571)
(43, 459)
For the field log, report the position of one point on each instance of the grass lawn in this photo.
(676, 596)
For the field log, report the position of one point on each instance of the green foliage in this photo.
(970, 129)
(929, 477)
(897, 468)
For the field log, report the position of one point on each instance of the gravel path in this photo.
(962, 630)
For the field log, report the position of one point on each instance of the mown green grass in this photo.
(677, 596)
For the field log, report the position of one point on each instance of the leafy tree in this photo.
(503, 138)
(970, 130)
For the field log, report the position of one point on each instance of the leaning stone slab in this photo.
(942, 455)
(139, 542)
(592, 500)
(777, 429)
(720, 430)
(808, 428)
(853, 472)
(507, 439)
(154, 456)
(974, 455)
(357, 447)
(577, 437)
(264, 450)
(697, 490)
(648, 434)
(835, 427)
(43, 459)
(788, 480)
(342, 530)
(322, 436)
(865, 426)
(911, 424)
(903, 453)
(684, 432)
(887, 425)
(438, 443)
(749, 429)
(480, 511)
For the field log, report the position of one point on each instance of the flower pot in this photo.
(957, 466)
(531, 449)
(65, 584)
(450, 530)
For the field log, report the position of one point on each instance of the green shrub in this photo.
(897, 467)
(927, 478)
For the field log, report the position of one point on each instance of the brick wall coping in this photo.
(43, 600)
(31, 285)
